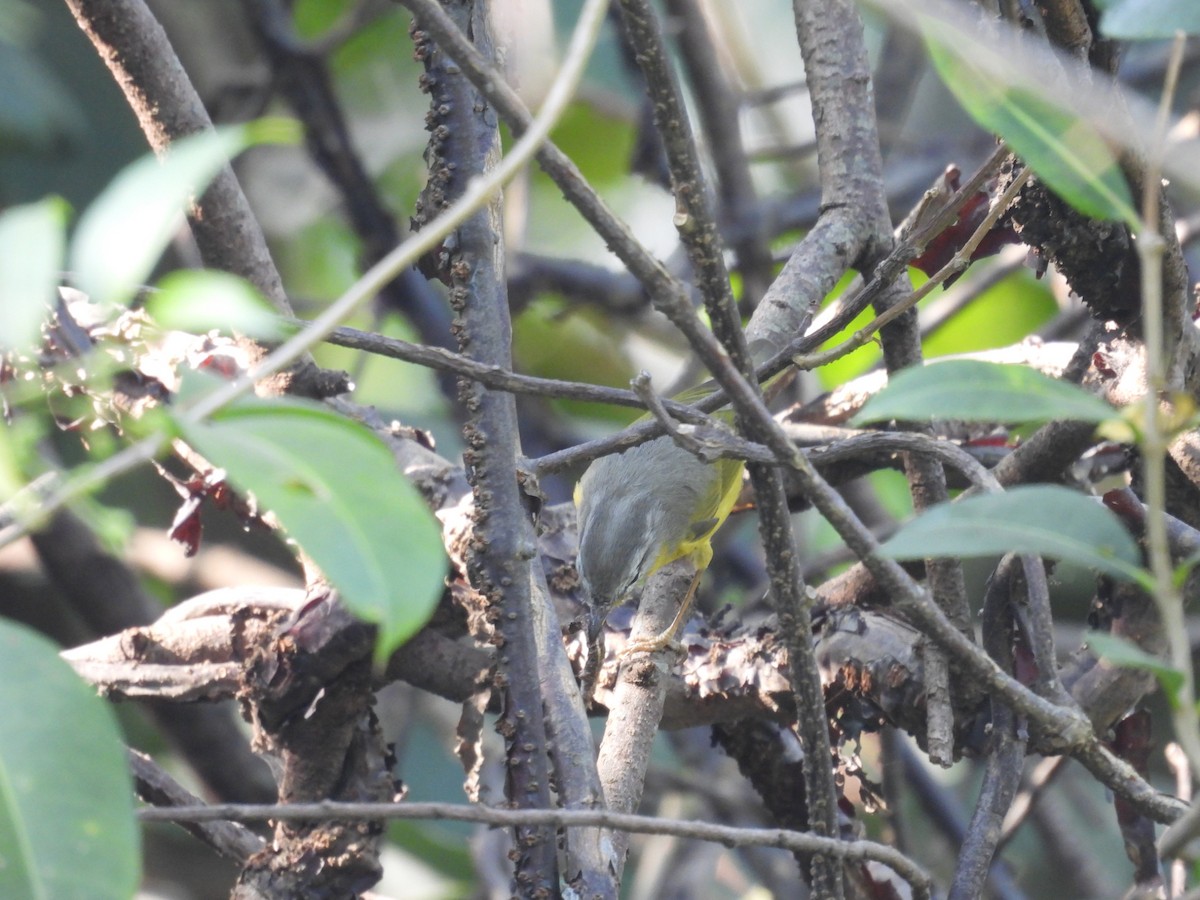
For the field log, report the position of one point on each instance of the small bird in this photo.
(641, 509)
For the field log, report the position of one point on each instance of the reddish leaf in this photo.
(940, 249)
(186, 528)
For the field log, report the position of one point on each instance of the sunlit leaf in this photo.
(1003, 314)
(1064, 149)
(123, 233)
(67, 827)
(1122, 652)
(335, 487)
(313, 18)
(979, 391)
(1148, 19)
(32, 240)
(198, 301)
(1046, 520)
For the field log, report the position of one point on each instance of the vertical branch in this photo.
(693, 214)
(1067, 25)
(927, 484)
(1006, 756)
(336, 751)
(853, 199)
(590, 863)
(838, 75)
(637, 705)
(465, 142)
(1001, 779)
(697, 230)
(926, 477)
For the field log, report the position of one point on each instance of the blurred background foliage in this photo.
(65, 129)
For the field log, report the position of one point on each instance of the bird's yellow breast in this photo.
(646, 507)
(716, 504)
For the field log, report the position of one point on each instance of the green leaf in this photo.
(198, 301)
(312, 18)
(1125, 653)
(334, 486)
(1065, 151)
(978, 391)
(1183, 571)
(1047, 520)
(1148, 19)
(31, 261)
(67, 828)
(123, 233)
(1006, 313)
(549, 342)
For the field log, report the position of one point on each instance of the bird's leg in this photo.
(666, 638)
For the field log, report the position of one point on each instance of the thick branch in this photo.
(466, 142)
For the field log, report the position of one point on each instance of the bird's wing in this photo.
(718, 499)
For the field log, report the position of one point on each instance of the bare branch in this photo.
(705, 831)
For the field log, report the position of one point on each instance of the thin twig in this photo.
(496, 377)
(156, 786)
(958, 262)
(909, 244)
(685, 439)
(1167, 593)
(845, 312)
(507, 818)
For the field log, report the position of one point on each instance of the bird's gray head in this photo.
(619, 536)
(631, 506)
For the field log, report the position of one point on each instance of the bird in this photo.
(640, 510)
